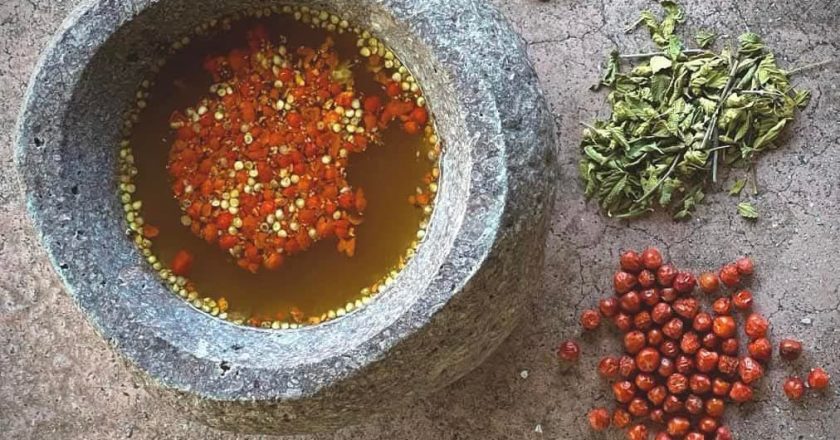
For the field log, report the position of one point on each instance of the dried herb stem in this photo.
(662, 180)
(810, 66)
(632, 56)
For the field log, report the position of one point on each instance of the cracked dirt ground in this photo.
(58, 381)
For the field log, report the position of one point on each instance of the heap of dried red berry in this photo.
(681, 365)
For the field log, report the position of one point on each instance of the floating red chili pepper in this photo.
(260, 165)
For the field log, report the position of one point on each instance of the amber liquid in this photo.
(319, 279)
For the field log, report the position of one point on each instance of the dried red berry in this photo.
(708, 282)
(707, 424)
(668, 294)
(623, 282)
(630, 261)
(740, 392)
(630, 302)
(678, 426)
(794, 388)
(723, 433)
(644, 382)
(651, 258)
(599, 419)
(694, 405)
(657, 395)
(706, 361)
(729, 275)
(608, 307)
(684, 364)
(624, 391)
(690, 343)
(742, 300)
(665, 275)
(655, 337)
(568, 351)
(684, 282)
(715, 407)
(642, 320)
(686, 307)
(590, 319)
(666, 367)
(677, 383)
(661, 313)
(790, 349)
(720, 387)
(672, 404)
(694, 436)
(724, 327)
(700, 384)
(702, 322)
(730, 346)
(657, 416)
(648, 360)
(669, 349)
(744, 266)
(750, 370)
(608, 367)
(710, 341)
(673, 328)
(761, 349)
(728, 365)
(662, 436)
(818, 379)
(638, 407)
(638, 432)
(650, 297)
(756, 326)
(623, 322)
(646, 279)
(621, 418)
(634, 341)
(627, 366)
(722, 306)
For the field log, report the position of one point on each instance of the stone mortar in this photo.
(452, 305)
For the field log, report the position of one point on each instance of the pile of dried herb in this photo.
(678, 114)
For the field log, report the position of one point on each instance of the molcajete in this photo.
(454, 302)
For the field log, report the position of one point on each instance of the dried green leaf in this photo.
(674, 48)
(737, 187)
(747, 210)
(659, 87)
(673, 16)
(595, 155)
(659, 63)
(750, 44)
(705, 38)
(769, 72)
(802, 98)
(667, 191)
(615, 191)
(770, 135)
(610, 71)
(673, 11)
(688, 203)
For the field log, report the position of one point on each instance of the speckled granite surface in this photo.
(58, 380)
